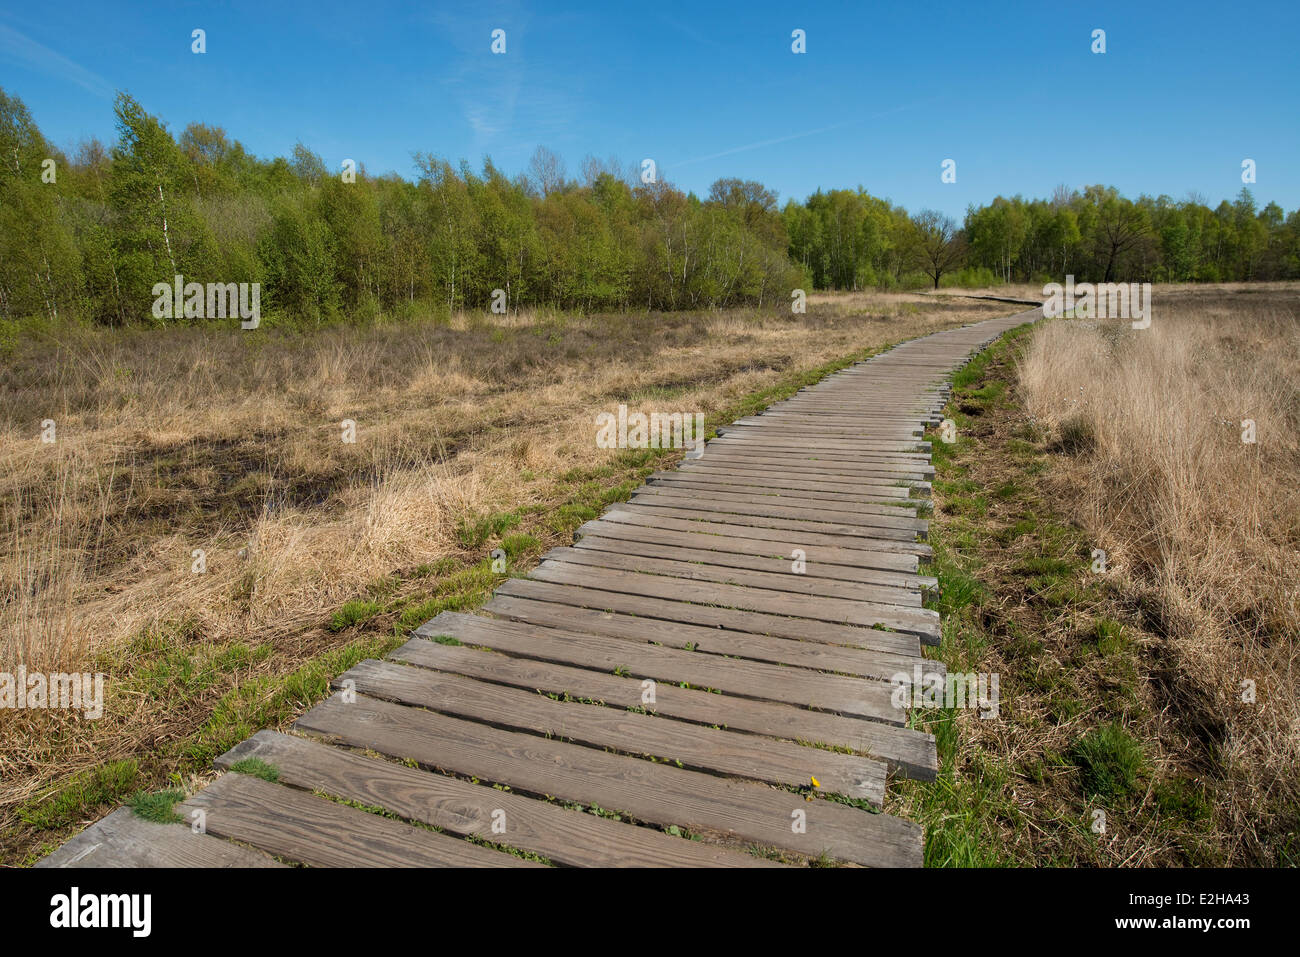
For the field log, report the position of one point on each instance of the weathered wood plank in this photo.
(869, 553)
(898, 527)
(124, 840)
(728, 483)
(776, 438)
(800, 468)
(881, 487)
(897, 584)
(311, 830)
(785, 580)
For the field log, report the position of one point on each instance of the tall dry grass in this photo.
(1201, 528)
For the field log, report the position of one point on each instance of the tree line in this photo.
(88, 236)
(848, 239)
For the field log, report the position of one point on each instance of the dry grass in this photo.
(1201, 529)
(171, 440)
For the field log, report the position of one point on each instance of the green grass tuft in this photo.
(1110, 762)
(473, 532)
(354, 613)
(157, 806)
(257, 768)
(79, 796)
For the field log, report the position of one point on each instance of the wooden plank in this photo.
(878, 461)
(888, 425)
(759, 623)
(868, 538)
(654, 793)
(795, 467)
(853, 468)
(840, 511)
(748, 679)
(311, 830)
(815, 571)
(843, 449)
(564, 836)
(887, 473)
(899, 514)
(882, 483)
(712, 750)
(785, 580)
(718, 448)
(727, 483)
(123, 839)
(880, 489)
(882, 567)
(912, 621)
(900, 527)
(868, 553)
(805, 463)
(838, 413)
(717, 640)
(865, 442)
(907, 751)
(723, 484)
(875, 515)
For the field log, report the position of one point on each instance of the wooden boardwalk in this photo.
(662, 693)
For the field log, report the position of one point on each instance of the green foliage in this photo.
(257, 768)
(1109, 762)
(265, 701)
(179, 666)
(517, 545)
(74, 800)
(354, 612)
(473, 532)
(157, 806)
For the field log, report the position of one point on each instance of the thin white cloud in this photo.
(761, 143)
(23, 49)
(793, 136)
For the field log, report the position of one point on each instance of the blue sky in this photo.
(884, 94)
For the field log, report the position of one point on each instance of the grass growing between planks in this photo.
(1091, 759)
